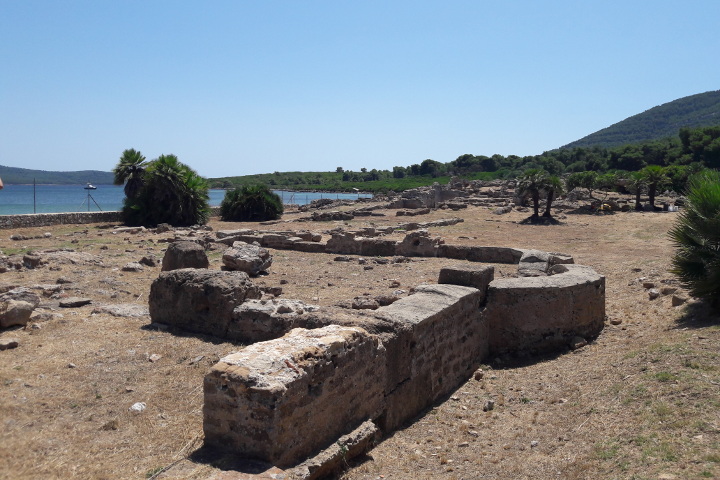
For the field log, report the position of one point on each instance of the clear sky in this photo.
(240, 87)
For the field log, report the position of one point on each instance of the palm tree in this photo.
(130, 169)
(171, 193)
(554, 187)
(696, 236)
(531, 183)
(636, 183)
(654, 178)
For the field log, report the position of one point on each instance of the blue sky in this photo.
(240, 87)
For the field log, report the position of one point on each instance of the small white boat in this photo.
(90, 186)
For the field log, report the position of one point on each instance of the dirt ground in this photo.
(642, 401)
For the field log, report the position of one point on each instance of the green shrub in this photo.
(168, 191)
(696, 236)
(251, 203)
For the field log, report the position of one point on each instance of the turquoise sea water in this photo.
(18, 199)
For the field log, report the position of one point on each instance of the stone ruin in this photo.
(354, 375)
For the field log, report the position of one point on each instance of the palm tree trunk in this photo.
(550, 198)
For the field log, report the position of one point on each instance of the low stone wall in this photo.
(260, 401)
(48, 219)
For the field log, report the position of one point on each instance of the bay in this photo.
(21, 199)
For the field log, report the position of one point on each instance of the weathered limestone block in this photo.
(198, 300)
(476, 276)
(480, 254)
(281, 401)
(418, 244)
(15, 312)
(439, 339)
(534, 263)
(247, 258)
(343, 242)
(184, 254)
(537, 314)
(260, 320)
(377, 247)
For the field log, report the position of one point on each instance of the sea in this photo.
(20, 199)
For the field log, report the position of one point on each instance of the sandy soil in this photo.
(640, 402)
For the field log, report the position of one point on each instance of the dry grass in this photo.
(639, 402)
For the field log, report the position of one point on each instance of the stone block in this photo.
(198, 300)
(539, 314)
(281, 401)
(476, 276)
(184, 254)
(438, 341)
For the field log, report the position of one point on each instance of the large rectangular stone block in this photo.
(282, 400)
(440, 340)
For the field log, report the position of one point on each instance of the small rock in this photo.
(196, 360)
(132, 267)
(464, 444)
(75, 302)
(63, 280)
(365, 303)
(71, 365)
(137, 407)
(668, 290)
(653, 293)
(149, 261)
(489, 405)
(577, 343)
(111, 425)
(479, 374)
(534, 444)
(615, 321)
(154, 357)
(8, 343)
(678, 299)
(648, 285)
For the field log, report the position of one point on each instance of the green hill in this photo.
(663, 121)
(13, 175)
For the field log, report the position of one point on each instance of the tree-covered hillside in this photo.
(13, 175)
(701, 110)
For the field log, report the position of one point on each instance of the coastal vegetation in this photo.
(163, 190)
(696, 236)
(251, 203)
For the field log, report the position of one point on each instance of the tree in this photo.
(655, 178)
(130, 169)
(636, 184)
(696, 236)
(586, 180)
(531, 183)
(251, 203)
(171, 192)
(554, 187)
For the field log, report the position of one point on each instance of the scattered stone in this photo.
(196, 360)
(653, 293)
(71, 365)
(8, 343)
(75, 302)
(534, 444)
(63, 280)
(154, 357)
(668, 290)
(137, 407)
(678, 299)
(15, 312)
(163, 227)
(577, 343)
(251, 259)
(343, 258)
(132, 267)
(615, 321)
(648, 285)
(149, 261)
(479, 374)
(129, 310)
(365, 303)
(184, 254)
(489, 405)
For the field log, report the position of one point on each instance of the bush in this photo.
(169, 192)
(251, 203)
(696, 236)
